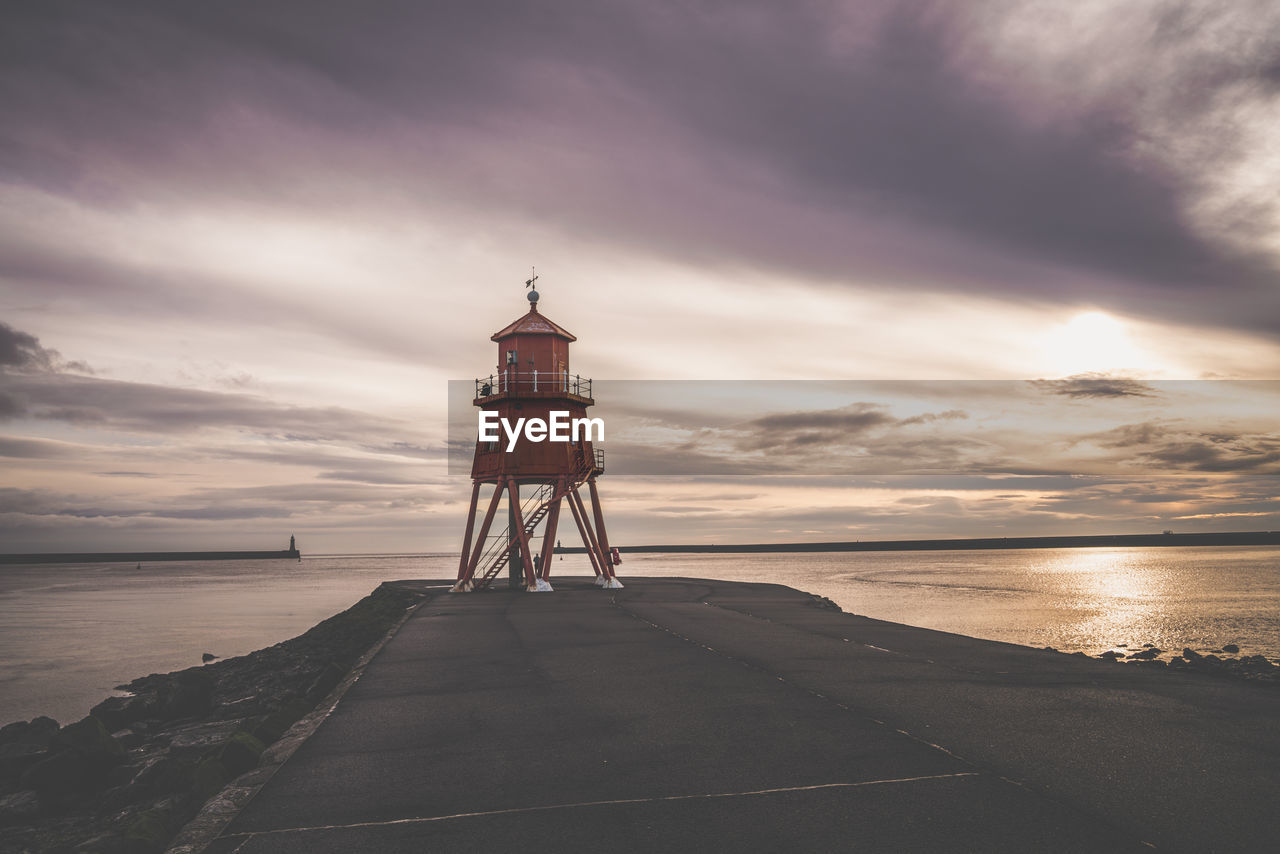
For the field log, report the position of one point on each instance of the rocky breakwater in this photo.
(1224, 661)
(126, 778)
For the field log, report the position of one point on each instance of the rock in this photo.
(18, 757)
(196, 740)
(1111, 655)
(148, 833)
(122, 775)
(276, 724)
(244, 707)
(1231, 648)
(207, 657)
(128, 738)
(209, 778)
(19, 808)
(89, 738)
(1148, 645)
(37, 731)
(120, 712)
(117, 798)
(103, 843)
(325, 682)
(186, 694)
(147, 726)
(1146, 654)
(241, 753)
(1258, 663)
(60, 776)
(1190, 655)
(159, 774)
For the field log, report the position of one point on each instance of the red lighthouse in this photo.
(532, 384)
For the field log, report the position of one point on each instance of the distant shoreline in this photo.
(1231, 538)
(145, 557)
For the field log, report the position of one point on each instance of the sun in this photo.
(1091, 341)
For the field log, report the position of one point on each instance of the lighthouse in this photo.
(533, 384)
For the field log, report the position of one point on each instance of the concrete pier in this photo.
(688, 715)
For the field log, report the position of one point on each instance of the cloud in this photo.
(147, 408)
(854, 418)
(1095, 385)
(1252, 453)
(21, 351)
(34, 449)
(10, 406)
(18, 348)
(934, 146)
(1133, 435)
(1178, 447)
(851, 427)
(141, 474)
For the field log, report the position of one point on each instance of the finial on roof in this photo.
(532, 282)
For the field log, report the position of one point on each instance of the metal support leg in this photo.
(582, 530)
(464, 583)
(549, 534)
(604, 538)
(466, 538)
(593, 545)
(529, 578)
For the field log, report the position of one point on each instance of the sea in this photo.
(71, 633)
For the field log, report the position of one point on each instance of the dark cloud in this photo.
(34, 449)
(10, 406)
(854, 418)
(623, 458)
(837, 141)
(854, 426)
(145, 408)
(21, 350)
(1255, 453)
(1176, 447)
(1133, 435)
(369, 475)
(1095, 385)
(1161, 504)
(17, 348)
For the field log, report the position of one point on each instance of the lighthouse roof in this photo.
(532, 323)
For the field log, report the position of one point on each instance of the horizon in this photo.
(249, 253)
(642, 548)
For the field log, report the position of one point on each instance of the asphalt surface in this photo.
(693, 715)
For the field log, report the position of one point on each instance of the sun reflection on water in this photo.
(1075, 600)
(1118, 596)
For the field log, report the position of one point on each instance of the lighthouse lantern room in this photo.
(532, 380)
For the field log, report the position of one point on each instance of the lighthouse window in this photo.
(511, 357)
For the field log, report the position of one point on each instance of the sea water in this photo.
(69, 633)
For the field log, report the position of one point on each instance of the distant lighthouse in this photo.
(532, 382)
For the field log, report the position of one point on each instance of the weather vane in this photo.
(531, 282)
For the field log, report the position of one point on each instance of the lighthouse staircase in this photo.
(497, 553)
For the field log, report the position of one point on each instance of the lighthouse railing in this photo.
(537, 382)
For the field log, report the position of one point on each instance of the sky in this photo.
(246, 246)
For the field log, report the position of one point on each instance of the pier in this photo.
(683, 714)
(144, 557)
